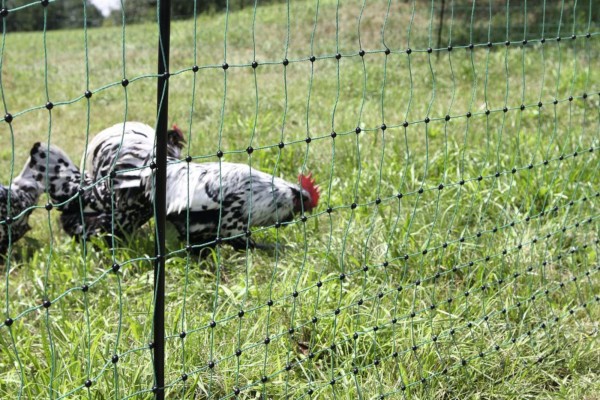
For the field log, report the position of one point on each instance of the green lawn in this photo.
(481, 281)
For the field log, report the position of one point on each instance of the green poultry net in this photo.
(454, 250)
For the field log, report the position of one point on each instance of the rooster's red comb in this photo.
(308, 183)
(179, 131)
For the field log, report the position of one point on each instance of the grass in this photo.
(451, 273)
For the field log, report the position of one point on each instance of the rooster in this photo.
(111, 196)
(26, 189)
(226, 200)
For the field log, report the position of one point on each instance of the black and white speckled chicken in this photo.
(235, 196)
(25, 191)
(74, 196)
(111, 197)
